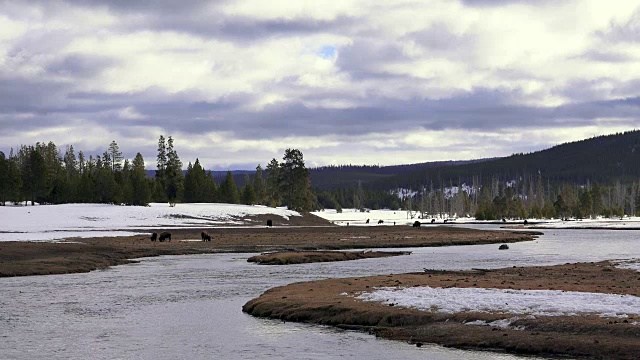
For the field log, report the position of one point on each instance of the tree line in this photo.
(526, 197)
(43, 173)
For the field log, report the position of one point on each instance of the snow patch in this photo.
(633, 264)
(501, 324)
(533, 302)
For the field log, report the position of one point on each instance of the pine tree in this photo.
(15, 178)
(195, 183)
(248, 193)
(70, 162)
(33, 170)
(259, 186)
(106, 161)
(106, 188)
(125, 187)
(585, 204)
(295, 181)
(81, 161)
(139, 183)
(273, 196)
(161, 177)
(4, 179)
(229, 191)
(116, 156)
(174, 178)
(211, 189)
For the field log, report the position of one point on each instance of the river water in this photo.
(179, 307)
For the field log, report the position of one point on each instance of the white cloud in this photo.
(411, 81)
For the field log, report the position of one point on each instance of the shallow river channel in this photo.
(189, 307)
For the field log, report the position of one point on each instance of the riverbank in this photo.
(306, 257)
(339, 302)
(18, 258)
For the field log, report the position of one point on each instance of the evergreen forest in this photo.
(593, 177)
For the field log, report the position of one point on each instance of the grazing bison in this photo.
(164, 236)
(366, 222)
(269, 223)
(416, 224)
(205, 236)
(154, 237)
(445, 221)
(380, 222)
(504, 247)
(433, 221)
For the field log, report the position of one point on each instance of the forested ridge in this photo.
(597, 176)
(603, 159)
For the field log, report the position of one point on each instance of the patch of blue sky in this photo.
(327, 51)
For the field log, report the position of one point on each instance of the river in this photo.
(178, 307)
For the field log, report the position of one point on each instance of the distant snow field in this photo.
(51, 222)
(519, 302)
(633, 264)
(354, 217)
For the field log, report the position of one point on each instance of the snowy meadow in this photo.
(354, 217)
(54, 222)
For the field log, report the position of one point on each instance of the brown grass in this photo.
(578, 336)
(41, 258)
(304, 257)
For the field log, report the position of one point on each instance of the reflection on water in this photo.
(190, 306)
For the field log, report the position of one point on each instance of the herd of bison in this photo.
(203, 235)
(167, 236)
(206, 237)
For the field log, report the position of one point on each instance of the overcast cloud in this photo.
(360, 82)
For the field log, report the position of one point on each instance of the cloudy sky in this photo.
(361, 82)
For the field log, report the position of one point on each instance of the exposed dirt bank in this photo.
(331, 302)
(305, 257)
(40, 258)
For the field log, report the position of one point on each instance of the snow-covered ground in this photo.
(49, 222)
(633, 264)
(355, 217)
(518, 302)
(600, 222)
(401, 217)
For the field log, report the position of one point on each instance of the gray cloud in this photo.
(493, 3)
(605, 56)
(628, 31)
(42, 87)
(80, 65)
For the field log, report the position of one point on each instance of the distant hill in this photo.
(603, 159)
(218, 175)
(341, 176)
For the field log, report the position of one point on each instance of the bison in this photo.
(164, 236)
(380, 222)
(433, 221)
(416, 224)
(504, 247)
(366, 222)
(154, 237)
(205, 236)
(269, 223)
